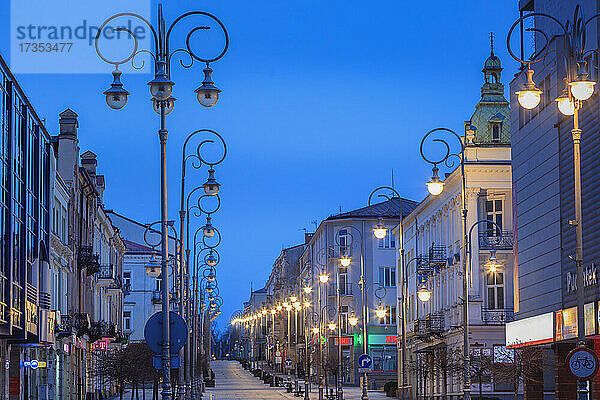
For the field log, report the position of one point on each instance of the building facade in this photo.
(432, 247)
(543, 184)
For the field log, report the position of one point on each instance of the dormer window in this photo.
(496, 129)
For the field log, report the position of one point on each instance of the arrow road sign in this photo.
(178, 332)
(365, 363)
(288, 362)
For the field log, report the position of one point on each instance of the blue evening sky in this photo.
(320, 101)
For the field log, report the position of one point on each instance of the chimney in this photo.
(307, 237)
(89, 163)
(100, 185)
(68, 150)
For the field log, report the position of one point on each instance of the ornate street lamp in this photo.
(579, 88)
(161, 88)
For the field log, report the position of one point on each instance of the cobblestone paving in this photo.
(233, 382)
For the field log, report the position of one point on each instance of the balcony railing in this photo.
(102, 329)
(429, 326)
(498, 316)
(106, 272)
(504, 242)
(88, 260)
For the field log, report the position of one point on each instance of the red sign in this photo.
(345, 341)
(391, 339)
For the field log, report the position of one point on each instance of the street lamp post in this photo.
(380, 232)
(323, 279)
(578, 88)
(435, 187)
(161, 88)
(307, 291)
(197, 160)
(346, 262)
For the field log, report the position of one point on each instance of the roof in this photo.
(394, 207)
(137, 248)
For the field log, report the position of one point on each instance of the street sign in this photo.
(288, 363)
(178, 332)
(583, 363)
(365, 364)
(175, 361)
(278, 353)
(277, 360)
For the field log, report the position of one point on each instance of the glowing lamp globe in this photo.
(435, 186)
(424, 294)
(279, 307)
(345, 261)
(379, 230)
(307, 289)
(331, 326)
(273, 311)
(285, 304)
(288, 308)
(323, 278)
(565, 106)
(380, 313)
(293, 299)
(306, 304)
(529, 96)
(582, 89)
(296, 304)
(161, 87)
(353, 320)
(315, 330)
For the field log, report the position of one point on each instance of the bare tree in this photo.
(481, 367)
(132, 364)
(518, 366)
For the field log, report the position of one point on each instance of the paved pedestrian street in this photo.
(234, 382)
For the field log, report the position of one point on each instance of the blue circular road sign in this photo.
(178, 332)
(365, 361)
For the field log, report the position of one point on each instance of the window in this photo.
(495, 290)
(390, 316)
(493, 212)
(127, 320)
(344, 241)
(387, 276)
(388, 242)
(496, 131)
(344, 286)
(127, 279)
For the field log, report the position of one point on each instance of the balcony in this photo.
(102, 329)
(65, 326)
(105, 275)
(504, 242)
(116, 286)
(88, 260)
(432, 325)
(81, 323)
(498, 316)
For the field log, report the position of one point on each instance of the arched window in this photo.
(496, 129)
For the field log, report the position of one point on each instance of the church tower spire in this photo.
(490, 123)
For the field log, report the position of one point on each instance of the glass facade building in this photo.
(24, 210)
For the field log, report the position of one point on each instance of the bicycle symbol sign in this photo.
(583, 363)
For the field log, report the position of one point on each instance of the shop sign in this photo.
(383, 339)
(34, 364)
(346, 340)
(589, 278)
(533, 330)
(100, 345)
